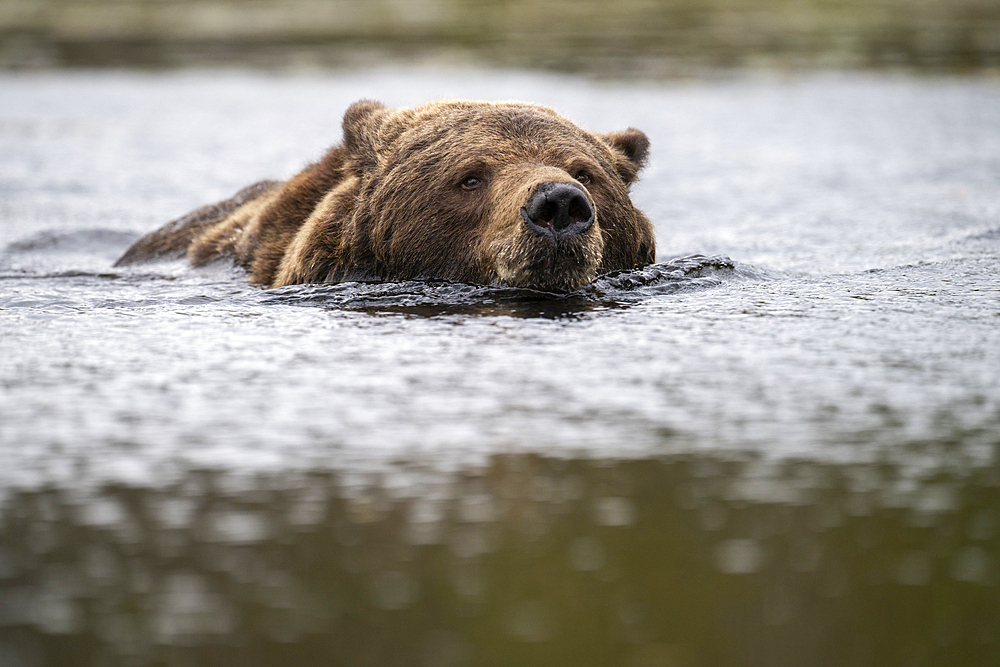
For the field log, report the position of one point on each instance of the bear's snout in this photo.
(558, 210)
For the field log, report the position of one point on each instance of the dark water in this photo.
(778, 446)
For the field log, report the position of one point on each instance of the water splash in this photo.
(441, 297)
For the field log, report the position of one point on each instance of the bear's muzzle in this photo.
(557, 211)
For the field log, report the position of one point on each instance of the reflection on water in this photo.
(687, 560)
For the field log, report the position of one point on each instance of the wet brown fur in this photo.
(388, 203)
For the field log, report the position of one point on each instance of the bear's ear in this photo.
(362, 121)
(632, 149)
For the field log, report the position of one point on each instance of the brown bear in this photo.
(496, 193)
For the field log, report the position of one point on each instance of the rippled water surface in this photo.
(777, 446)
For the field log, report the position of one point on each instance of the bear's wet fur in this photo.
(495, 193)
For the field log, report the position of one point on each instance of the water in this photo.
(778, 446)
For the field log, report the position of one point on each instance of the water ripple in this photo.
(441, 297)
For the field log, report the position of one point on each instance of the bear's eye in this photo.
(583, 177)
(472, 182)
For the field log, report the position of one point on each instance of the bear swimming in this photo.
(495, 193)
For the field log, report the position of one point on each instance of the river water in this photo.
(777, 446)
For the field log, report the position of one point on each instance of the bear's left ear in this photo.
(632, 149)
(362, 122)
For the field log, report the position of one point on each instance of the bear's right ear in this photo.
(362, 121)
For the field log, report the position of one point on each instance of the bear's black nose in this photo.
(558, 210)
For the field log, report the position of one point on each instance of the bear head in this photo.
(504, 193)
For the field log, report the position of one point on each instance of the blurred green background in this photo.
(623, 37)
